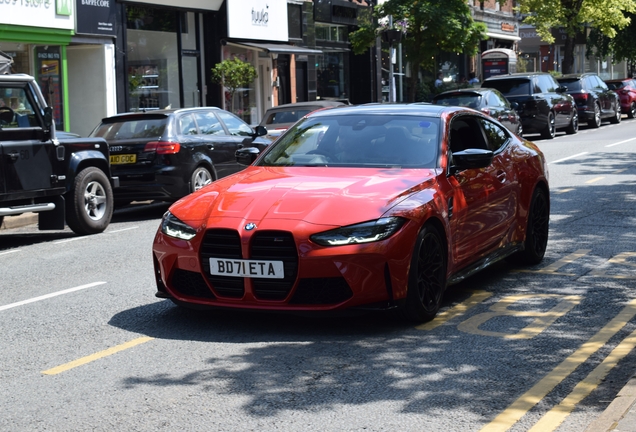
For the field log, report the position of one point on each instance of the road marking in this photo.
(123, 229)
(620, 259)
(105, 353)
(476, 298)
(620, 142)
(563, 191)
(567, 158)
(594, 180)
(553, 418)
(71, 239)
(552, 268)
(11, 251)
(619, 171)
(529, 399)
(48, 296)
(542, 320)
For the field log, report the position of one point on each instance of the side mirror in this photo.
(48, 118)
(471, 159)
(514, 105)
(260, 131)
(247, 155)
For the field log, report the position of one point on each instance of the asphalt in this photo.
(619, 416)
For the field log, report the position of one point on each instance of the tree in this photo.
(232, 74)
(621, 47)
(606, 16)
(431, 27)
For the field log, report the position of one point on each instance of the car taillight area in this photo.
(581, 99)
(163, 147)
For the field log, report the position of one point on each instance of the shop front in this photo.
(35, 35)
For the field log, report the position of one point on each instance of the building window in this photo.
(295, 22)
(331, 76)
(332, 33)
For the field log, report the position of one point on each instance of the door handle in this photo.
(14, 156)
(211, 146)
(501, 176)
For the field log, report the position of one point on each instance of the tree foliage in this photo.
(605, 16)
(232, 74)
(431, 27)
(621, 47)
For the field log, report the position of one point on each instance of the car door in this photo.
(220, 145)
(609, 97)
(560, 101)
(28, 161)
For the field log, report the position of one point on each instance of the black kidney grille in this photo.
(275, 246)
(314, 291)
(222, 243)
(190, 284)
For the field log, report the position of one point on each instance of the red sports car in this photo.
(373, 206)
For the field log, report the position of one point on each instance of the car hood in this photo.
(325, 196)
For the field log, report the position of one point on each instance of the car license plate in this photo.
(247, 268)
(123, 159)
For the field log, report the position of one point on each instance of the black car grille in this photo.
(275, 246)
(190, 284)
(222, 243)
(321, 291)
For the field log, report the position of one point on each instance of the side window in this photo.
(547, 84)
(535, 85)
(601, 84)
(590, 83)
(235, 125)
(187, 126)
(495, 135)
(494, 101)
(16, 110)
(465, 133)
(208, 123)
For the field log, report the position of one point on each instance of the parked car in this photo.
(380, 206)
(278, 119)
(626, 90)
(594, 100)
(486, 100)
(166, 154)
(543, 105)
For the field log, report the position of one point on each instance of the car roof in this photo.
(577, 75)
(467, 90)
(517, 75)
(425, 109)
(158, 113)
(318, 103)
(16, 77)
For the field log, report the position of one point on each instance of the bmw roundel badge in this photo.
(250, 226)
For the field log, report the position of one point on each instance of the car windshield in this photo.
(510, 87)
(571, 84)
(370, 140)
(131, 129)
(287, 116)
(471, 100)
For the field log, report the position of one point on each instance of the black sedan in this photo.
(594, 100)
(487, 100)
(167, 154)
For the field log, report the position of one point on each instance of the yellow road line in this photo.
(594, 180)
(553, 418)
(563, 261)
(476, 298)
(529, 399)
(82, 361)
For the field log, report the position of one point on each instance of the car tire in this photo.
(537, 229)
(89, 205)
(618, 115)
(200, 177)
(596, 120)
(427, 276)
(573, 127)
(550, 128)
(632, 111)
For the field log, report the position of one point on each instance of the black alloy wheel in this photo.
(632, 111)
(596, 120)
(537, 229)
(427, 276)
(550, 128)
(573, 127)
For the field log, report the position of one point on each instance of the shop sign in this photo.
(507, 27)
(257, 19)
(57, 14)
(96, 17)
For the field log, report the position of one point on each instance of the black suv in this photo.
(594, 100)
(62, 179)
(543, 105)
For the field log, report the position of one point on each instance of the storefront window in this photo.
(331, 76)
(48, 67)
(153, 61)
(244, 102)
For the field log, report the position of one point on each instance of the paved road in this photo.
(86, 345)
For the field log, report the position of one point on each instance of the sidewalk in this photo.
(19, 221)
(620, 415)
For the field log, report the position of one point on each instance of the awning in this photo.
(502, 36)
(274, 48)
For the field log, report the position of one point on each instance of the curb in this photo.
(19, 221)
(620, 415)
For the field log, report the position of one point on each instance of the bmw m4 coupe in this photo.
(371, 207)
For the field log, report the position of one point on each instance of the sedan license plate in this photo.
(247, 268)
(123, 159)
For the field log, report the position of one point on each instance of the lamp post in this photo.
(391, 36)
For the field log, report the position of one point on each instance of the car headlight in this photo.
(173, 227)
(365, 232)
